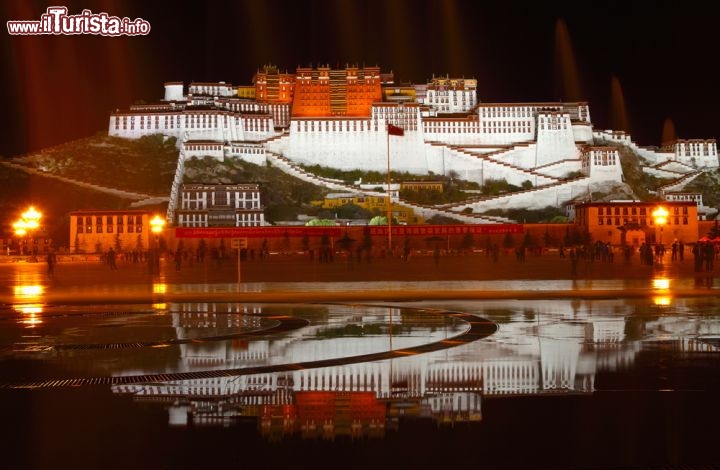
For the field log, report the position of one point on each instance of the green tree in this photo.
(320, 223)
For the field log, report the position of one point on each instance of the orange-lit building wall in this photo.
(272, 86)
(325, 92)
(632, 222)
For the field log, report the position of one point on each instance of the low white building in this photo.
(219, 205)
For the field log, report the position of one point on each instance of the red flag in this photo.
(394, 130)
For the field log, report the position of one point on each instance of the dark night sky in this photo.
(640, 65)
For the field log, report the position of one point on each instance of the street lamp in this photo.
(157, 224)
(660, 218)
(28, 222)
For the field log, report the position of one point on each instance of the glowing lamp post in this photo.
(660, 218)
(157, 224)
(28, 222)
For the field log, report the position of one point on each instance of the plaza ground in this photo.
(300, 267)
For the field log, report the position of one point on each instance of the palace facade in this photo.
(339, 118)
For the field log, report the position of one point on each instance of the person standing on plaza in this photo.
(178, 259)
(111, 258)
(573, 262)
(51, 261)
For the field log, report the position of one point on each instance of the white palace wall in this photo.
(193, 125)
(351, 145)
(555, 139)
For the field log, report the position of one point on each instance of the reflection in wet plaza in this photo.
(594, 383)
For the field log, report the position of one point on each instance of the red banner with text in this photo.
(399, 230)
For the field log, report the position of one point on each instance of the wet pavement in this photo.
(143, 371)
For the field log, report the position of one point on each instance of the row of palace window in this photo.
(349, 126)
(192, 122)
(604, 160)
(201, 204)
(694, 150)
(210, 90)
(203, 220)
(505, 126)
(642, 221)
(505, 112)
(553, 124)
(108, 223)
(642, 211)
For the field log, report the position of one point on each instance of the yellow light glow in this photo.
(31, 321)
(160, 306)
(31, 214)
(28, 309)
(660, 215)
(156, 224)
(20, 228)
(159, 288)
(662, 285)
(29, 220)
(26, 292)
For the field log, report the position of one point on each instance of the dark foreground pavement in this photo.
(344, 278)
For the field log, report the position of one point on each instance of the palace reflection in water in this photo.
(590, 381)
(227, 355)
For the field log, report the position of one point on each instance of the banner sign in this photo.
(255, 232)
(440, 230)
(399, 230)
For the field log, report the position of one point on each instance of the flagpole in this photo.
(389, 210)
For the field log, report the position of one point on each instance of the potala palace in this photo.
(340, 117)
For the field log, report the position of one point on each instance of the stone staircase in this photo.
(559, 191)
(492, 163)
(286, 165)
(680, 183)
